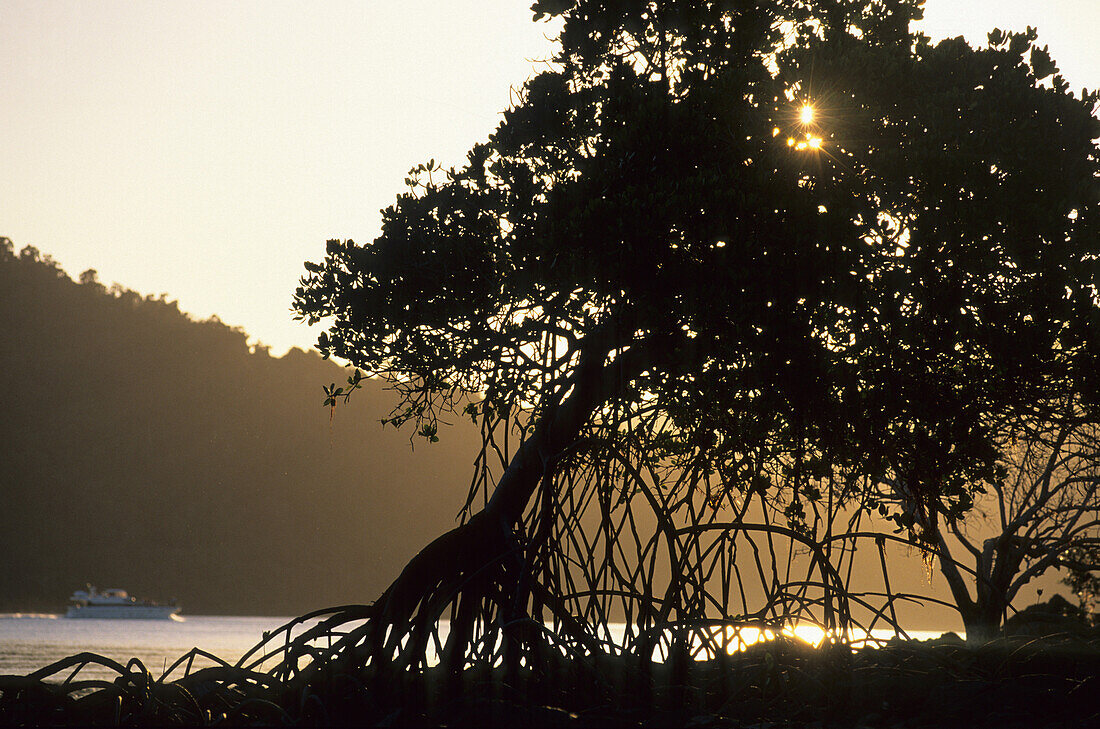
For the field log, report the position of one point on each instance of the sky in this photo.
(206, 149)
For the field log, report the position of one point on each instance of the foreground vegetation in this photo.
(1015, 681)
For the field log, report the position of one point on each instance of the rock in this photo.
(948, 638)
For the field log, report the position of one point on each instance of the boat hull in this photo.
(116, 612)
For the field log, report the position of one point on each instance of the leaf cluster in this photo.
(871, 306)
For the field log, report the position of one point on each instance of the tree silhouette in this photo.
(1044, 505)
(722, 267)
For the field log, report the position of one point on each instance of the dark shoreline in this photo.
(1008, 683)
(1015, 682)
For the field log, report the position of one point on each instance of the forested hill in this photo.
(142, 449)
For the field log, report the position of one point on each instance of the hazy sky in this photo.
(205, 149)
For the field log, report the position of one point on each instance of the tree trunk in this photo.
(443, 570)
(982, 625)
(981, 614)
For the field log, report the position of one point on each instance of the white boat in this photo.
(116, 603)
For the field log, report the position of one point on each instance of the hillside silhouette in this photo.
(142, 449)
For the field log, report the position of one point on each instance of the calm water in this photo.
(30, 642)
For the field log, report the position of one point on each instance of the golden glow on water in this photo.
(812, 634)
(738, 639)
(814, 142)
(742, 638)
(806, 115)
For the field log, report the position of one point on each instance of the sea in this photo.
(29, 642)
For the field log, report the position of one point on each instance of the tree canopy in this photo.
(931, 259)
(768, 246)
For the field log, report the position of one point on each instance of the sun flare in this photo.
(806, 114)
